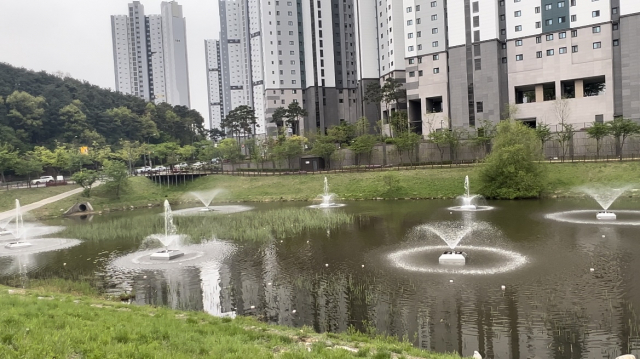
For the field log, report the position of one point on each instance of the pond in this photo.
(535, 285)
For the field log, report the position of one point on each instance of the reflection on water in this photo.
(553, 306)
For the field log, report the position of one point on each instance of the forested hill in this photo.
(40, 109)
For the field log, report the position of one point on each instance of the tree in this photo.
(28, 165)
(8, 159)
(407, 142)
(186, 152)
(75, 124)
(26, 115)
(543, 132)
(362, 126)
(116, 176)
(167, 153)
(289, 148)
(562, 108)
(511, 170)
(363, 146)
(324, 146)
(484, 134)
(373, 94)
(59, 159)
(392, 92)
(621, 128)
(216, 134)
(399, 122)
(598, 131)
(278, 116)
(229, 150)
(85, 179)
(294, 114)
(343, 133)
(129, 152)
(440, 138)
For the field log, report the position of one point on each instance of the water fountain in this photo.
(170, 236)
(467, 199)
(19, 232)
(206, 197)
(605, 198)
(3, 229)
(327, 198)
(452, 233)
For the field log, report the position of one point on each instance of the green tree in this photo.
(8, 159)
(362, 126)
(229, 150)
(167, 153)
(440, 138)
(485, 132)
(407, 142)
(187, 152)
(373, 94)
(59, 159)
(26, 115)
(344, 133)
(598, 131)
(362, 146)
(621, 128)
(392, 93)
(399, 122)
(278, 117)
(28, 165)
(294, 114)
(116, 177)
(85, 179)
(324, 146)
(565, 137)
(543, 132)
(290, 148)
(75, 123)
(129, 152)
(512, 169)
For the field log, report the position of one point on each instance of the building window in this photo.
(434, 3)
(548, 6)
(420, 59)
(574, 48)
(411, 61)
(434, 30)
(409, 22)
(409, 9)
(537, 10)
(518, 42)
(574, 33)
(519, 57)
(434, 44)
(503, 45)
(503, 32)
(597, 45)
(548, 22)
(614, 10)
(538, 25)
(538, 39)
(615, 27)
(562, 50)
(562, 35)
(504, 60)
(518, 28)
(539, 54)
(436, 57)
(410, 35)
(434, 17)
(517, 13)
(595, 29)
(550, 52)
(476, 35)
(420, 73)
(476, 21)
(475, 6)
(419, 47)
(502, 17)
(410, 48)
(479, 107)
(562, 19)
(436, 70)
(574, 18)
(549, 37)
(418, 21)
(477, 64)
(573, 2)
(595, 13)
(412, 74)
(599, 119)
(417, 7)
(616, 42)
(560, 3)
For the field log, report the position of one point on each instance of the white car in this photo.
(160, 169)
(42, 180)
(197, 165)
(180, 166)
(144, 169)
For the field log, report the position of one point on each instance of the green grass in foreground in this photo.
(30, 195)
(422, 183)
(37, 324)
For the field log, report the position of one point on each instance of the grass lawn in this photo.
(421, 183)
(30, 195)
(38, 323)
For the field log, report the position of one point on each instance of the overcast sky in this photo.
(74, 36)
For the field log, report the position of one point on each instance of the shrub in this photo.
(511, 170)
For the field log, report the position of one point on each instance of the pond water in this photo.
(533, 287)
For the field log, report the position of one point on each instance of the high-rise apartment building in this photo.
(150, 54)
(461, 61)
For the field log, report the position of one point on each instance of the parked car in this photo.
(144, 169)
(181, 166)
(42, 180)
(197, 165)
(160, 169)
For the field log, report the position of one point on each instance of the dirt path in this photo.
(31, 206)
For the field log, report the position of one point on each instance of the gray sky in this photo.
(74, 36)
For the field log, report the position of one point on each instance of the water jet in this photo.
(170, 235)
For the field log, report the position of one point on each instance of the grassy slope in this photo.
(30, 195)
(423, 183)
(39, 324)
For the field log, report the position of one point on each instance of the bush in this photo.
(511, 170)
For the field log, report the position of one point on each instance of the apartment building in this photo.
(465, 60)
(150, 54)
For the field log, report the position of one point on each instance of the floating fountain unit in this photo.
(606, 216)
(206, 197)
(453, 258)
(169, 236)
(17, 245)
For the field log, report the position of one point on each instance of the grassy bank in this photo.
(41, 324)
(421, 183)
(30, 195)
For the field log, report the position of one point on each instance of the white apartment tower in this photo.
(150, 54)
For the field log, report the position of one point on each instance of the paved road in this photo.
(29, 207)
